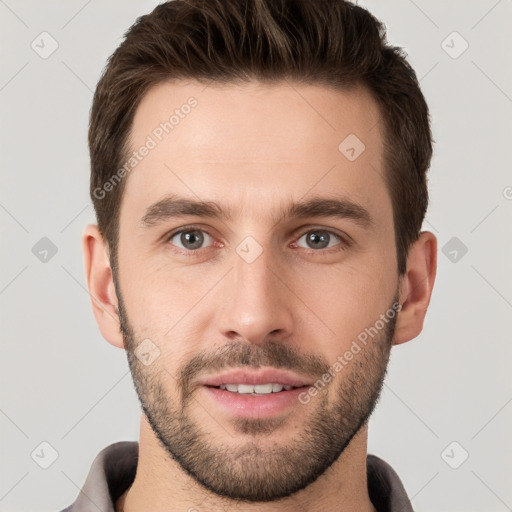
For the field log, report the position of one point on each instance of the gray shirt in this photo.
(113, 471)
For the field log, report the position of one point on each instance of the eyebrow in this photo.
(174, 206)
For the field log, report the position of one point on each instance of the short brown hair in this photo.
(325, 42)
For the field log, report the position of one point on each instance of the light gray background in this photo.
(63, 384)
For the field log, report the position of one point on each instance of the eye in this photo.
(190, 239)
(320, 239)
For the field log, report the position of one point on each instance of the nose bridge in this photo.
(256, 303)
(254, 271)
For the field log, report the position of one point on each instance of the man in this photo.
(258, 173)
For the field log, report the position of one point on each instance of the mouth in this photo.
(255, 394)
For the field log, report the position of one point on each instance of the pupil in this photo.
(319, 240)
(188, 238)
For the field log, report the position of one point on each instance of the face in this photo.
(243, 314)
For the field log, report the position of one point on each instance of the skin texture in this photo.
(254, 148)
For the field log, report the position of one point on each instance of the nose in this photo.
(257, 300)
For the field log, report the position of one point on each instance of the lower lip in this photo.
(251, 406)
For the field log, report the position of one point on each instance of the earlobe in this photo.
(416, 287)
(100, 283)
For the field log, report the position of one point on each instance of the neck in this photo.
(162, 485)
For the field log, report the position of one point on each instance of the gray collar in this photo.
(114, 468)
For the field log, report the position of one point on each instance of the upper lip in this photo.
(255, 377)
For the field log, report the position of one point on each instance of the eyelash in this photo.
(343, 244)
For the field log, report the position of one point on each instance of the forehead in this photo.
(240, 111)
(250, 142)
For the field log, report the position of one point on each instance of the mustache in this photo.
(242, 354)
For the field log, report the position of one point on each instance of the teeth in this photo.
(259, 389)
(244, 388)
(262, 388)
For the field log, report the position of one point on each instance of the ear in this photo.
(101, 285)
(416, 287)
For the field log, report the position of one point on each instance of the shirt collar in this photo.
(113, 471)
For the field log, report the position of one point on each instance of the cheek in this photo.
(149, 288)
(346, 299)
(166, 304)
